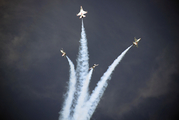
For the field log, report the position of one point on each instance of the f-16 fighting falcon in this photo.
(94, 66)
(136, 41)
(81, 13)
(63, 53)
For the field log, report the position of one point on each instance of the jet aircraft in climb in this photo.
(136, 41)
(63, 53)
(81, 13)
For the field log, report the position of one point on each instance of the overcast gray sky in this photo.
(34, 76)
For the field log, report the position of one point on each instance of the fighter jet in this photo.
(93, 66)
(63, 53)
(136, 41)
(81, 13)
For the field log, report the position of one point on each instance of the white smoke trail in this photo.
(86, 85)
(65, 112)
(81, 71)
(100, 88)
(84, 90)
(82, 60)
(84, 95)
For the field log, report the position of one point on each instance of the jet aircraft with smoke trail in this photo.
(135, 43)
(81, 13)
(79, 104)
(63, 52)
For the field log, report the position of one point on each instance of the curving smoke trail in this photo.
(86, 85)
(81, 71)
(65, 112)
(84, 90)
(101, 86)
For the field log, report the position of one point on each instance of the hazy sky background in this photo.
(34, 76)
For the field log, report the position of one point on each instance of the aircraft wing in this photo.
(135, 39)
(84, 12)
(79, 14)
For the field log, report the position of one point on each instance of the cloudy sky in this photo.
(34, 76)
